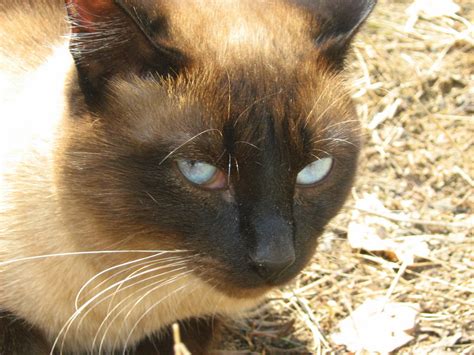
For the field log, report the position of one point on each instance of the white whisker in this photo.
(320, 97)
(65, 329)
(330, 106)
(339, 140)
(322, 151)
(121, 282)
(150, 309)
(187, 142)
(92, 279)
(229, 169)
(80, 253)
(338, 124)
(255, 102)
(249, 144)
(154, 286)
(141, 264)
(169, 263)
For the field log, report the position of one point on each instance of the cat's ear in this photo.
(337, 21)
(113, 37)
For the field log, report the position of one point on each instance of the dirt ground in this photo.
(414, 88)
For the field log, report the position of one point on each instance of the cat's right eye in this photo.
(202, 174)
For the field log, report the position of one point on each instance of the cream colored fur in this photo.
(43, 290)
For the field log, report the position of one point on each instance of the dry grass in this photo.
(415, 95)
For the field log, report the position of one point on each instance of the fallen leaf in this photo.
(378, 326)
(373, 232)
(433, 9)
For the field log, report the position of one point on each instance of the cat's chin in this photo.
(243, 283)
(241, 293)
(238, 291)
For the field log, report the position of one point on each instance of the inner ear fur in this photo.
(336, 23)
(116, 37)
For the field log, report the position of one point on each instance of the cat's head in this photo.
(219, 127)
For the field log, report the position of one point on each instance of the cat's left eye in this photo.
(315, 172)
(202, 174)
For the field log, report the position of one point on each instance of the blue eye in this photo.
(201, 173)
(314, 172)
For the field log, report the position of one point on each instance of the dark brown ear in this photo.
(115, 37)
(337, 23)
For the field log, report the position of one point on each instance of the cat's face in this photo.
(241, 154)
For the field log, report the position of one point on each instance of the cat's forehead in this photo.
(250, 107)
(236, 29)
(287, 94)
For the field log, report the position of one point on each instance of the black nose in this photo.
(274, 250)
(271, 268)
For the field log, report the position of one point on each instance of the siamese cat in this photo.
(164, 161)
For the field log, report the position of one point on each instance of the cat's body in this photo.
(87, 161)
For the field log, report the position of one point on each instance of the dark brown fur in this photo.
(19, 338)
